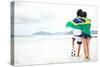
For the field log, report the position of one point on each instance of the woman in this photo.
(86, 36)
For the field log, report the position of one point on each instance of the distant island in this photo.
(42, 33)
(59, 33)
(93, 32)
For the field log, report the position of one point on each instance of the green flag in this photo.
(84, 27)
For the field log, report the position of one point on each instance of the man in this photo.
(77, 34)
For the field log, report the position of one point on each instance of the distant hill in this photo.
(59, 33)
(42, 33)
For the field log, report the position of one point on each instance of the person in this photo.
(77, 34)
(86, 36)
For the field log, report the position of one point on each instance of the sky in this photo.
(33, 17)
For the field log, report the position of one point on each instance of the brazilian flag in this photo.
(84, 27)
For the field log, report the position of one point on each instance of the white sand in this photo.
(37, 51)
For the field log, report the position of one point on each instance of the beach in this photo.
(49, 50)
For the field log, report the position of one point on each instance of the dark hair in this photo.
(84, 14)
(79, 12)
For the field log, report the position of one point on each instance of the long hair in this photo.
(84, 14)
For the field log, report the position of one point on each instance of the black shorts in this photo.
(73, 39)
(78, 42)
(85, 35)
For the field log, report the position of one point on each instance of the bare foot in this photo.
(78, 55)
(86, 59)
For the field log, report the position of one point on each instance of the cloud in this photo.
(50, 18)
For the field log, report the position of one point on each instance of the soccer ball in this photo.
(73, 53)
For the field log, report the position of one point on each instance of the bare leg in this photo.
(88, 42)
(73, 40)
(73, 51)
(85, 47)
(78, 52)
